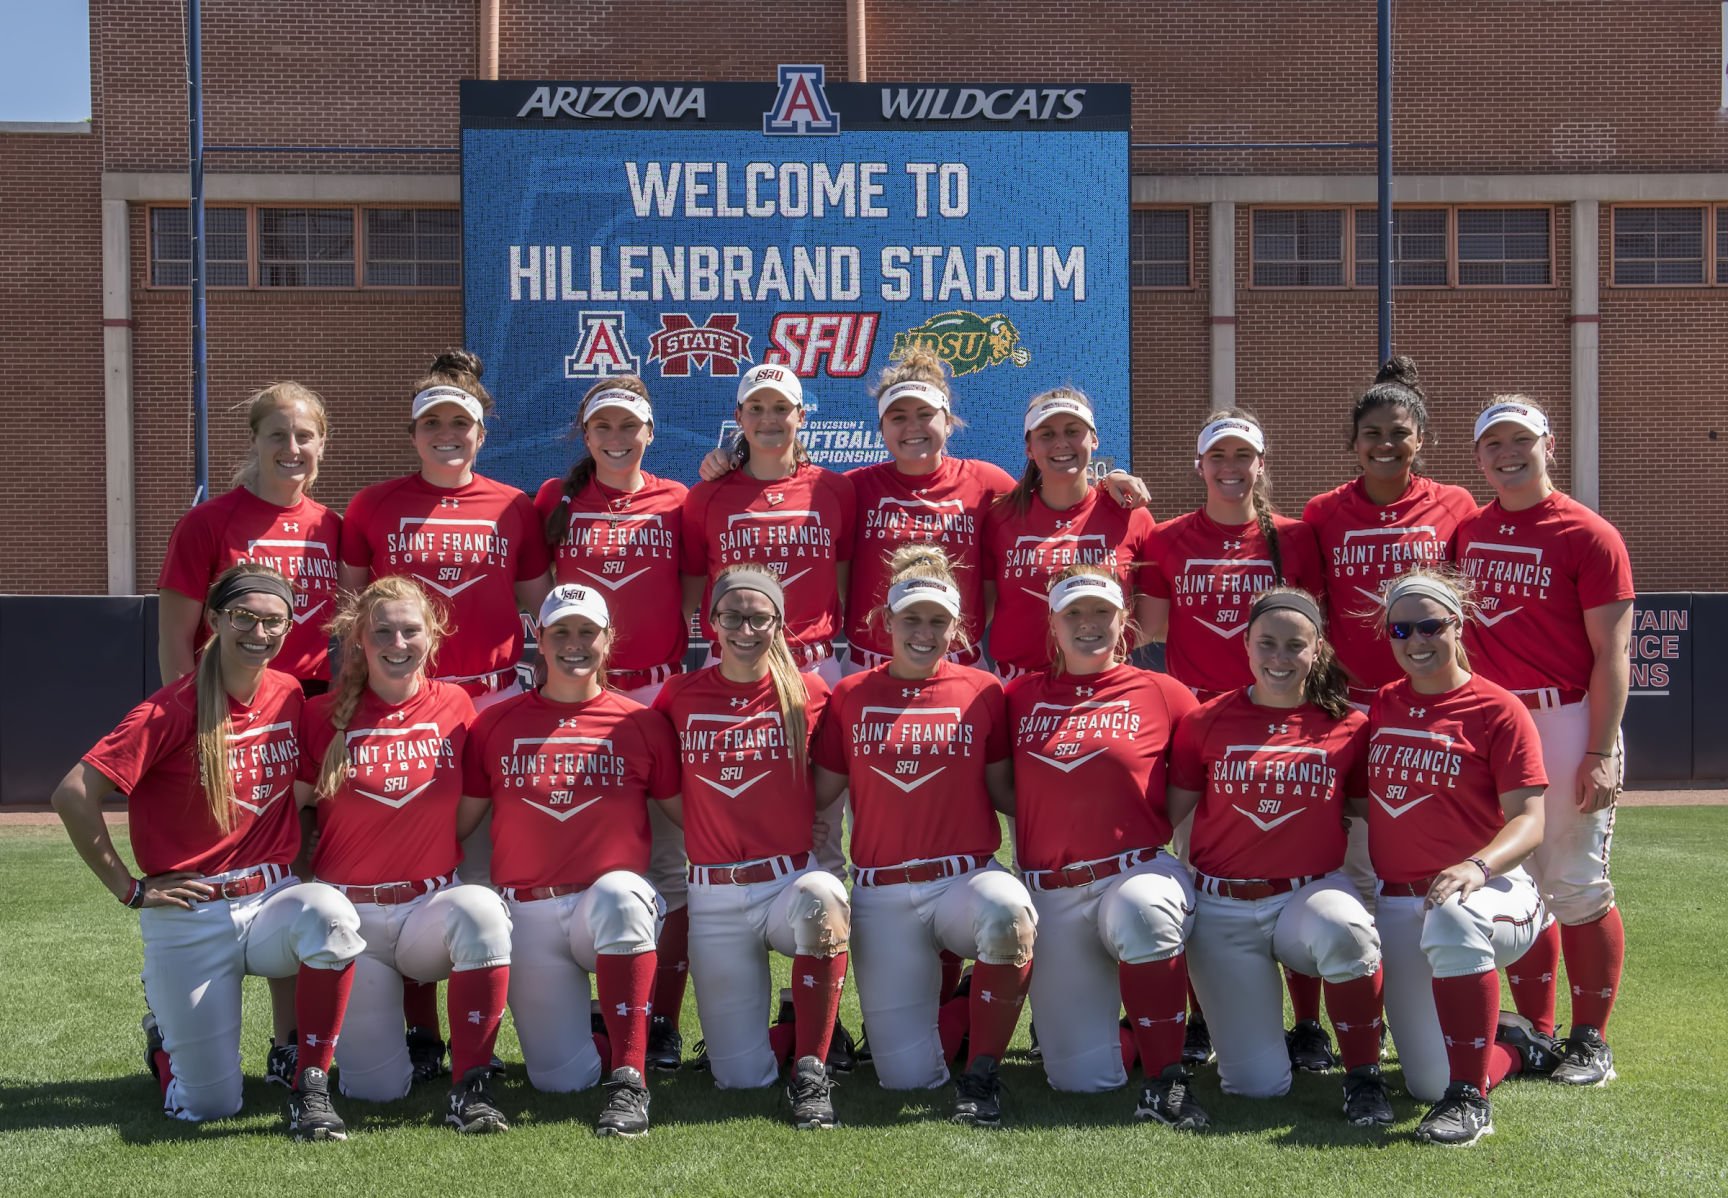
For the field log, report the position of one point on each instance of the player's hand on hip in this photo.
(178, 889)
(1462, 880)
(1598, 783)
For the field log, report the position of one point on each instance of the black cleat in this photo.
(1310, 1048)
(1197, 1043)
(470, 1109)
(842, 1050)
(626, 1110)
(426, 1054)
(1538, 1055)
(310, 1115)
(281, 1062)
(1459, 1119)
(811, 1094)
(1586, 1059)
(665, 1045)
(1366, 1102)
(978, 1095)
(1170, 1102)
(152, 1042)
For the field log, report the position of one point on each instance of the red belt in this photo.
(1084, 873)
(1546, 698)
(1417, 889)
(631, 680)
(746, 873)
(533, 894)
(1249, 889)
(253, 881)
(390, 894)
(913, 872)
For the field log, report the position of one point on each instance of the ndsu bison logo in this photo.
(965, 340)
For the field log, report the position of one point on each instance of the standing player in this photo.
(381, 765)
(567, 770)
(612, 525)
(1091, 745)
(1455, 785)
(747, 809)
(207, 765)
(1265, 771)
(924, 874)
(1555, 588)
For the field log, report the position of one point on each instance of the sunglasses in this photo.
(1401, 629)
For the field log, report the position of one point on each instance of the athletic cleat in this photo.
(665, 1045)
(1197, 1044)
(861, 1051)
(978, 1095)
(842, 1050)
(1169, 1101)
(281, 1061)
(626, 1110)
(810, 1091)
(152, 1042)
(471, 1111)
(1310, 1048)
(699, 1062)
(426, 1054)
(1586, 1059)
(1035, 1051)
(1459, 1119)
(310, 1115)
(1538, 1055)
(1366, 1101)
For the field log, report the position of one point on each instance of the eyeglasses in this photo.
(1401, 629)
(732, 621)
(241, 620)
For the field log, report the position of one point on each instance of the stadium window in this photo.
(306, 247)
(1418, 247)
(1504, 247)
(413, 247)
(1159, 247)
(1722, 245)
(1658, 246)
(1298, 247)
(225, 257)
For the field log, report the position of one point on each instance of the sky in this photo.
(44, 60)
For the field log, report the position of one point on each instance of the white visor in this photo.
(1229, 427)
(905, 593)
(1516, 413)
(1086, 586)
(771, 377)
(617, 397)
(912, 389)
(572, 600)
(1061, 405)
(444, 393)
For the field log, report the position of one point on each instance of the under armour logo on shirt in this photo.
(1232, 544)
(1083, 690)
(1508, 529)
(1272, 728)
(736, 703)
(1387, 516)
(449, 501)
(908, 692)
(1418, 712)
(775, 497)
(290, 526)
(1064, 524)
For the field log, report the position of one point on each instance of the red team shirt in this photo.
(1210, 573)
(1023, 553)
(1437, 766)
(394, 819)
(800, 528)
(300, 543)
(1362, 544)
(626, 543)
(946, 508)
(1272, 784)
(915, 753)
(569, 784)
(467, 546)
(1536, 573)
(152, 759)
(743, 797)
(1090, 756)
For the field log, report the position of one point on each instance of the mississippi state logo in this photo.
(603, 349)
(801, 107)
(965, 340)
(682, 345)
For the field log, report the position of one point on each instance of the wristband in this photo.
(1487, 874)
(1594, 753)
(135, 896)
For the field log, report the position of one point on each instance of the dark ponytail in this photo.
(1396, 386)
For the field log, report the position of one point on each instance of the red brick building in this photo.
(1561, 203)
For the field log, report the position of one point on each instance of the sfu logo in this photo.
(801, 107)
(603, 349)
(715, 345)
(805, 341)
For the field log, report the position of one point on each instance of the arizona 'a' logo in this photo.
(965, 340)
(716, 345)
(801, 105)
(603, 349)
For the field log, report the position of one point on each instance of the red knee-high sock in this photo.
(1154, 993)
(1502, 1064)
(165, 1071)
(1469, 1009)
(953, 965)
(674, 967)
(420, 1004)
(476, 999)
(1304, 995)
(320, 998)
(998, 993)
(1595, 953)
(603, 1046)
(782, 1039)
(1531, 979)
(1194, 1011)
(953, 1022)
(624, 984)
(1355, 1008)
(816, 983)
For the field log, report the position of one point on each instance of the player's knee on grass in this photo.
(476, 928)
(197, 1101)
(1145, 919)
(820, 914)
(1456, 940)
(1004, 925)
(326, 933)
(625, 914)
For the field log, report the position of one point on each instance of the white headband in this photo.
(444, 393)
(906, 592)
(1426, 588)
(912, 387)
(1080, 586)
(1516, 413)
(1230, 426)
(617, 397)
(572, 600)
(1058, 406)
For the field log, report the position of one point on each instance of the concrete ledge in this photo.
(1427, 189)
(165, 186)
(38, 128)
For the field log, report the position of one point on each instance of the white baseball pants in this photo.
(1570, 866)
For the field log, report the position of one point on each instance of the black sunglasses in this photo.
(1401, 629)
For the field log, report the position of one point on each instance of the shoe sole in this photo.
(272, 1079)
(1585, 1085)
(1487, 1130)
(974, 1121)
(1195, 1060)
(665, 1065)
(479, 1127)
(815, 1125)
(322, 1133)
(1373, 1121)
(618, 1133)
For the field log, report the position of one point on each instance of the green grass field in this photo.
(78, 1115)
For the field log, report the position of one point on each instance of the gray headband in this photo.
(251, 584)
(1407, 586)
(759, 581)
(1285, 601)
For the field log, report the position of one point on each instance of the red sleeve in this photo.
(189, 566)
(1149, 579)
(356, 545)
(1314, 511)
(546, 499)
(1187, 770)
(534, 558)
(664, 776)
(693, 552)
(828, 741)
(315, 735)
(997, 743)
(1604, 569)
(993, 480)
(476, 778)
(1138, 543)
(1514, 748)
(149, 731)
(1180, 699)
(1356, 765)
(847, 497)
(989, 558)
(1302, 558)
